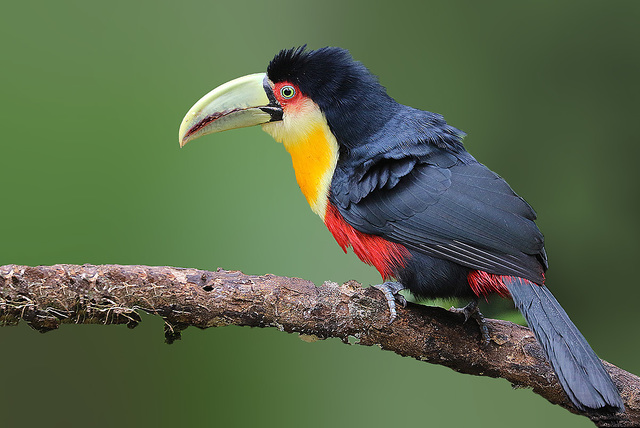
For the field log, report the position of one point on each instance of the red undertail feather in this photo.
(373, 250)
(483, 283)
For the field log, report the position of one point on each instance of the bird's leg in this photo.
(472, 311)
(391, 291)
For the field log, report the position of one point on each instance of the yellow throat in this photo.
(313, 149)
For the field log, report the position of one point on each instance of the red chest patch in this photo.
(384, 255)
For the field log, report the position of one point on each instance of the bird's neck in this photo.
(314, 153)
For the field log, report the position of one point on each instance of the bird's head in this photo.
(300, 91)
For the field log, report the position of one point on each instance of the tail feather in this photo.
(578, 368)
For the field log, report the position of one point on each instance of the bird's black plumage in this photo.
(404, 175)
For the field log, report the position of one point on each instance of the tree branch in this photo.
(46, 296)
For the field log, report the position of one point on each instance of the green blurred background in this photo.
(92, 97)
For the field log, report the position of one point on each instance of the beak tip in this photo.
(183, 141)
(183, 133)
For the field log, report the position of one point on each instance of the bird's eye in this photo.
(287, 92)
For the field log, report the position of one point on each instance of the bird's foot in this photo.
(472, 311)
(391, 291)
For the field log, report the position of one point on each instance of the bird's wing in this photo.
(438, 205)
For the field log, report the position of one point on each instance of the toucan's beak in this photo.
(245, 101)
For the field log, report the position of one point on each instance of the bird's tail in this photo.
(578, 368)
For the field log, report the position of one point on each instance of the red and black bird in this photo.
(397, 185)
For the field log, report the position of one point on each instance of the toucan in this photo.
(396, 185)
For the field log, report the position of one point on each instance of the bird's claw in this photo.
(472, 311)
(391, 291)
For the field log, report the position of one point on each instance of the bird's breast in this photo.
(313, 149)
(314, 161)
(386, 256)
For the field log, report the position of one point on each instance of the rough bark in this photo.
(46, 296)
